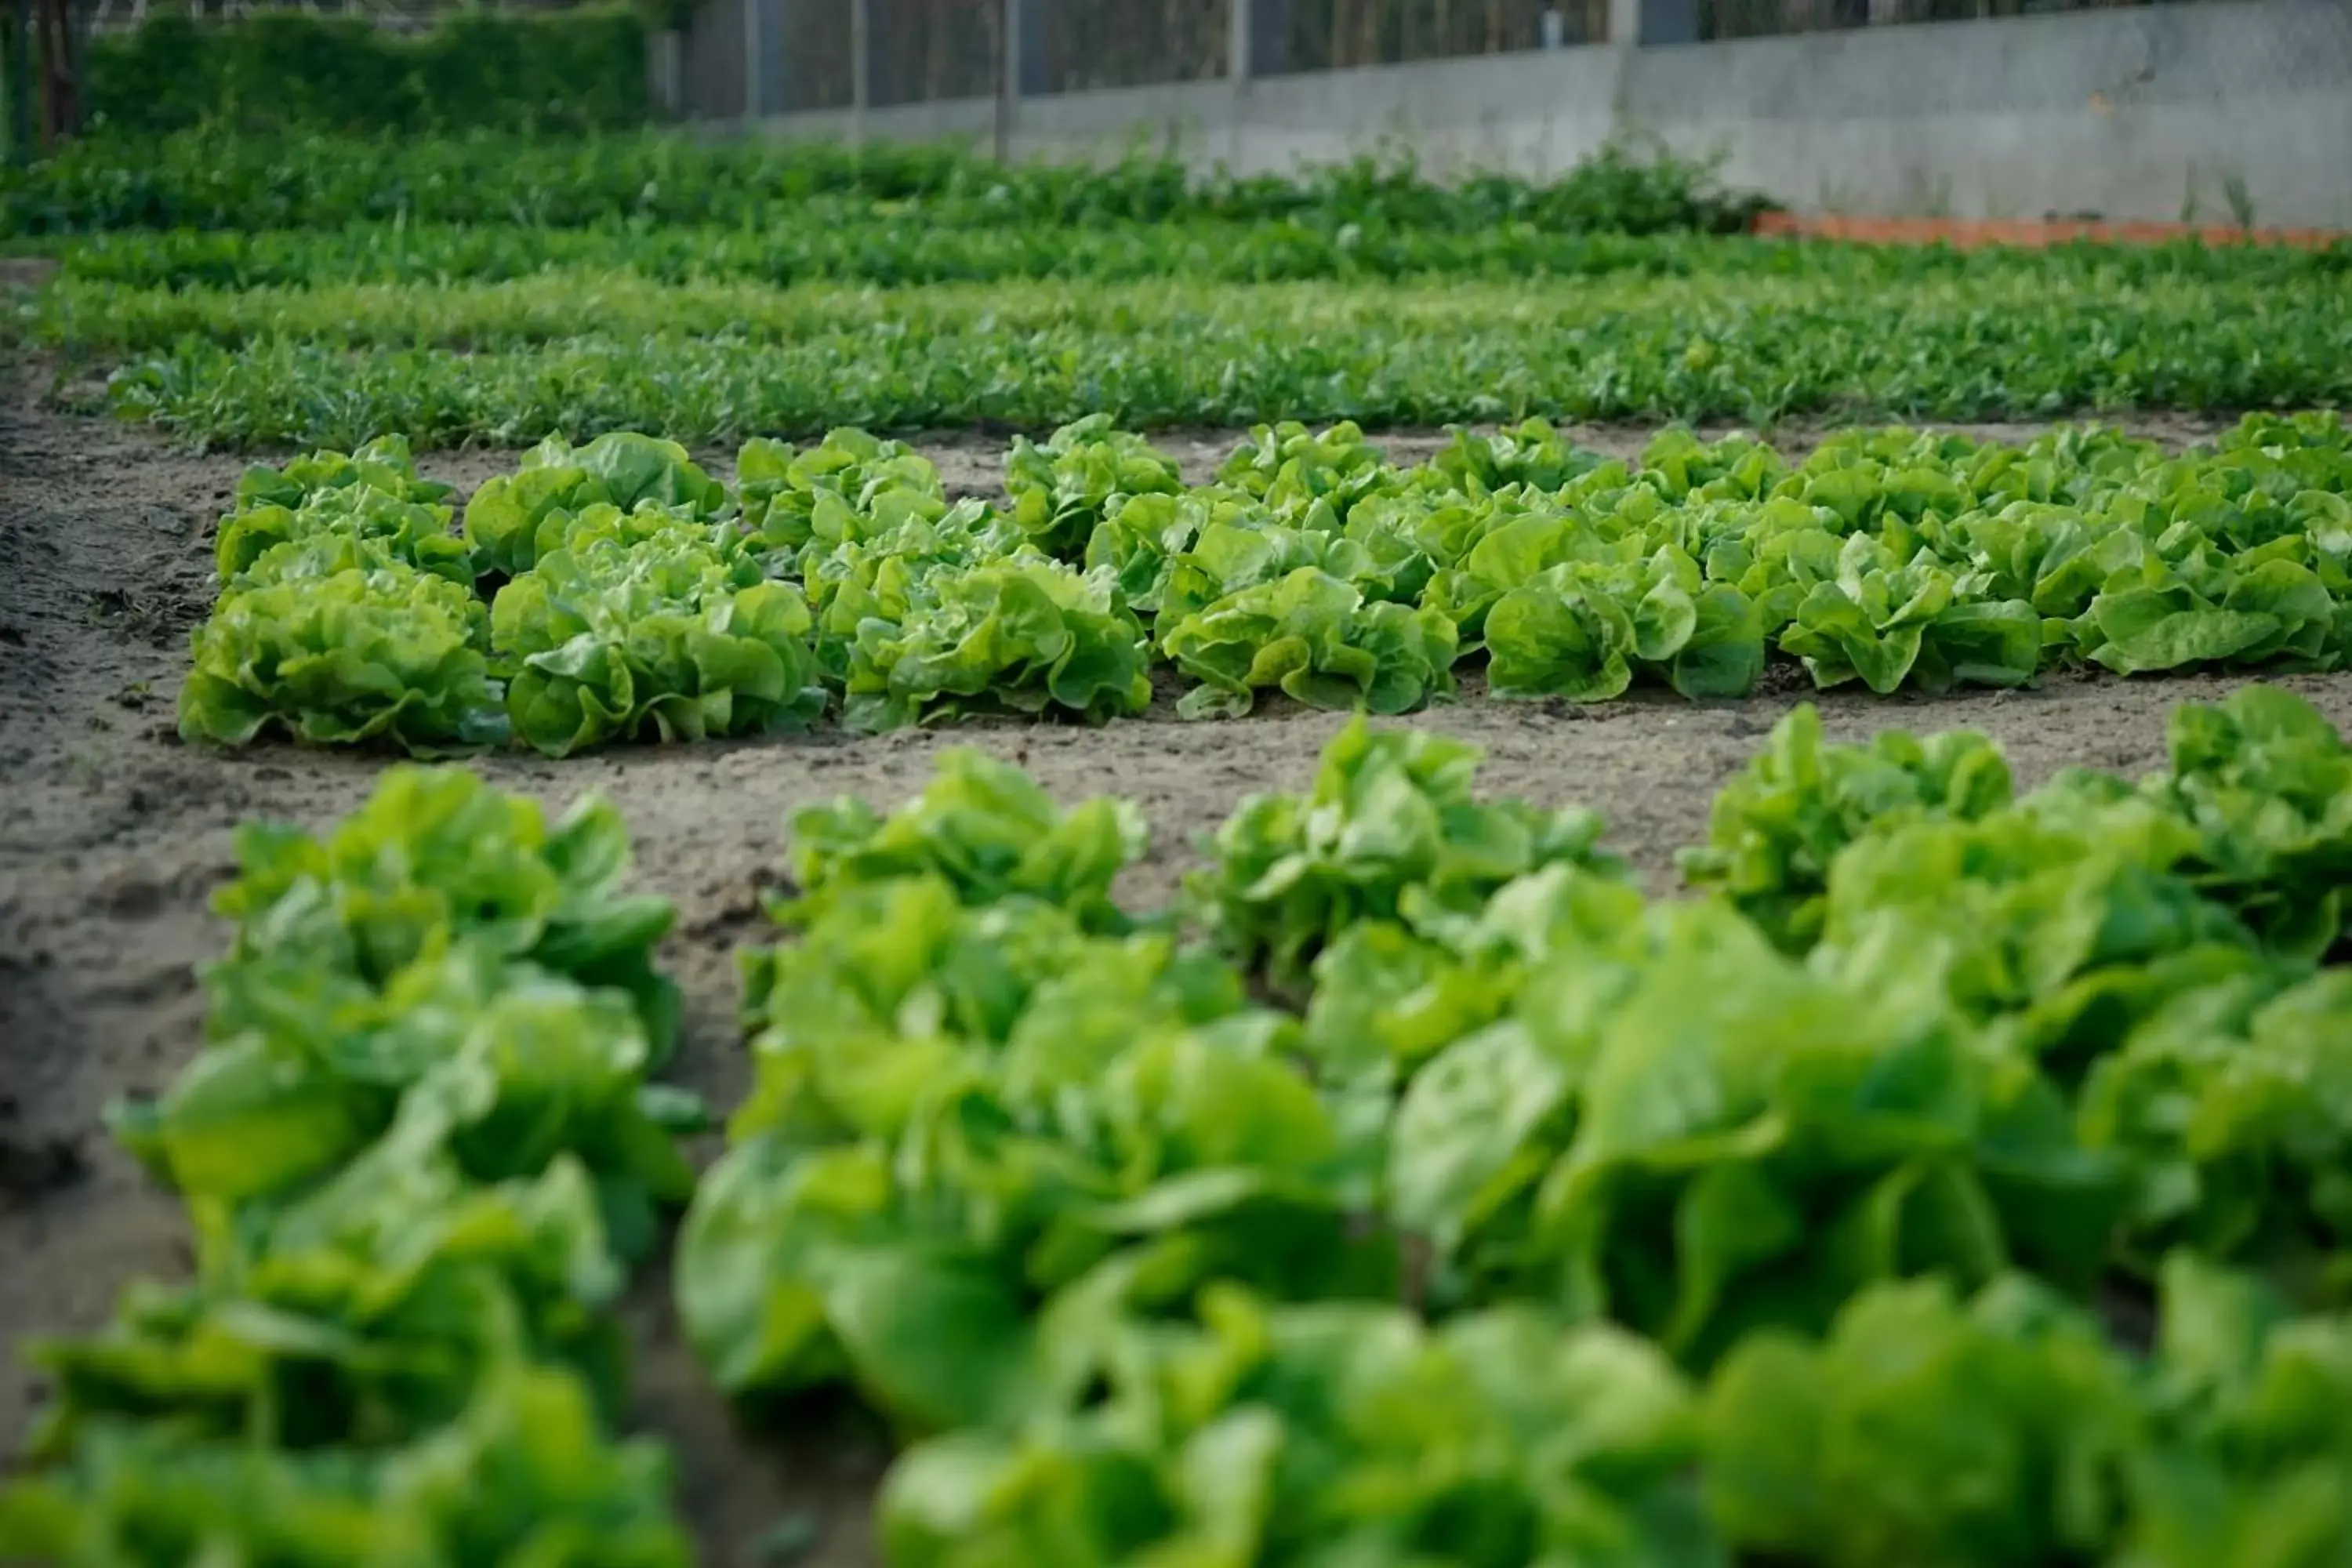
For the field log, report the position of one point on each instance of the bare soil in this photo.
(112, 833)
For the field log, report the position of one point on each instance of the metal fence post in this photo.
(755, 41)
(861, 67)
(1008, 74)
(1241, 36)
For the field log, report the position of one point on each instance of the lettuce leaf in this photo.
(357, 654)
(1023, 636)
(1775, 829)
(986, 826)
(1314, 635)
(506, 517)
(848, 485)
(651, 620)
(1391, 823)
(1084, 472)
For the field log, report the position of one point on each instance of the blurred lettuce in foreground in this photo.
(522, 1475)
(1344, 1433)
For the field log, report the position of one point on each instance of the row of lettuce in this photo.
(420, 1155)
(851, 241)
(203, 180)
(616, 590)
(1958, 1182)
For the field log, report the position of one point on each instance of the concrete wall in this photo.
(2146, 112)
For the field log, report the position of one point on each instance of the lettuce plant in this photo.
(507, 520)
(1062, 490)
(650, 620)
(341, 657)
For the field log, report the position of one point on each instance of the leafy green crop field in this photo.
(1952, 1176)
(489, 290)
(852, 240)
(508, 362)
(1411, 1188)
(205, 179)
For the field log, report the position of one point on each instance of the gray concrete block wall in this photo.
(2146, 112)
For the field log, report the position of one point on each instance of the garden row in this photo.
(1414, 1190)
(420, 1156)
(616, 591)
(206, 180)
(578, 354)
(847, 239)
(1557, 1227)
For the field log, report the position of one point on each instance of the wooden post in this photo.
(60, 111)
(20, 83)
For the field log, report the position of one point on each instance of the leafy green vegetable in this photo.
(984, 826)
(652, 619)
(1312, 635)
(435, 860)
(253, 544)
(1530, 454)
(1086, 471)
(1925, 1431)
(2268, 784)
(1894, 557)
(508, 520)
(361, 1315)
(1291, 469)
(1389, 828)
(523, 1475)
(1124, 1253)
(417, 1154)
(1021, 636)
(1774, 830)
(1751, 1142)
(849, 485)
(2232, 1101)
(1882, 619)
(1208, 1158)
(383, 465)
(2251, 1468)
(1581, 630)
(1344, 1433)
(195, 181)
(345, 657)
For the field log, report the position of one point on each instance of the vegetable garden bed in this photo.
(1021, 1033)
(117, 831)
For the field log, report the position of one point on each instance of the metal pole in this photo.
(1008, 74)
(755, 43)
(1239, 26)
(861, 67)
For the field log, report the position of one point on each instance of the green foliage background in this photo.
(580, 70)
